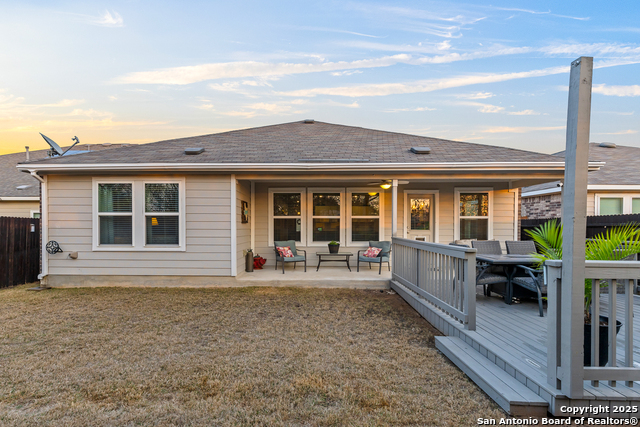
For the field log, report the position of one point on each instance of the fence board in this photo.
(19, 251)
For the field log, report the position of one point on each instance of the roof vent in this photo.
(309, 121)
(193, 151)
(421, 150)
(607, 145)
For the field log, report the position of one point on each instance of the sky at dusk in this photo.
(141, 71)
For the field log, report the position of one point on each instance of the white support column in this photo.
(234, 226)
(252, 212)
(574, 220)
(394, 208)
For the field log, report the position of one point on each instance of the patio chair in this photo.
(524, 247)
(486, 274)
(383, 256)
(533, 281)
(294, 259)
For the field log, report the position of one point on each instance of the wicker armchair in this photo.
(524, 247)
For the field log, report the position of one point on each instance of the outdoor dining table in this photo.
(508, 263)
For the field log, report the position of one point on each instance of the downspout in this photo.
(44, 222)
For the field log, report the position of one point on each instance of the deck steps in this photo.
(513, 396)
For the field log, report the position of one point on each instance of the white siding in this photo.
(18, 209)
(243, 231)
(208, 233)
(591, 204)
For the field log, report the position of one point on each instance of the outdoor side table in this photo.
(328, 256)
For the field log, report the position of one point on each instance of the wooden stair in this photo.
(513, 396)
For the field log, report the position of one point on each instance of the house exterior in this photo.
(612, 190)
(153, 214)
(19, 191)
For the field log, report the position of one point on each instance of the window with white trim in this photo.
(115, 214)
(365, 216)
(326, 216)
(287, 215)
(473, 214)
(139, 214)
(617, 204)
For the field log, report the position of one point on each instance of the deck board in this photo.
(519, 331)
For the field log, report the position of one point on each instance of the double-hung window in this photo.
(326, 212)
(139, 214)
(286, 214)
(115, 214)
(473, 214)
(364, 210)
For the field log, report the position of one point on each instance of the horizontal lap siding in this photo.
(208, 233)
(18, 209)
(503, 216)
(591, 204)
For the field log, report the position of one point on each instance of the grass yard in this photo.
(242, 356)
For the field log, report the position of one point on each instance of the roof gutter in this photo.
(302, 167)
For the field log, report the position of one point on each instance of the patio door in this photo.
(419, 216)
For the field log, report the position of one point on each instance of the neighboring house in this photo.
(19, 191)
(613, 189)
(153, 214)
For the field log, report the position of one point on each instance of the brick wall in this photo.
(545, 206)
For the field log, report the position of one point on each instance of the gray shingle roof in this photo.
(622, 167)
(11, 177)
(296, 142)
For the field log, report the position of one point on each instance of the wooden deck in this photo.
(513, 337)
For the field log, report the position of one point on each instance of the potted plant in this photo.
(615, 244)
(334, 247)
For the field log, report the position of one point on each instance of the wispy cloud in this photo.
(198, 73)
(620, 132)
(384, 89)
(603, 89)
(523, 129)
(263, 109)
(400, 110)
(523, 113)
(483, 108)
(337, 30)
(108, 19)
(477, 95)
(535, 12)
(346, 73)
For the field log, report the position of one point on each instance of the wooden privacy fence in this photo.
(596, 224)
(19, 251)
(444, 275)
(566, 332)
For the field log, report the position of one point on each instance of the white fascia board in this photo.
(20, 199)
(541, 192)
(299, 167)
(614, 187)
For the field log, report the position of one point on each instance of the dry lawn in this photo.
(248, 356)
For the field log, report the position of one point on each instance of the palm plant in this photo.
(615, 244)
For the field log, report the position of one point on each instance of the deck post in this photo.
(394, 208)
(553, 277)
(469, 275)
(574, 213)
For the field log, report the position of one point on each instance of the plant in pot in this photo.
(616, 244)
(334, 247)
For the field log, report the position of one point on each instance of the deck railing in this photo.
(565, 344)
(444, 275)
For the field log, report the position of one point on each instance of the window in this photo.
(287, 215)
(139, 214)
(35, 214)
(325, 216)
(617, 204)
(115, 214)
(365, 216)
(473, 214)
(162, 214)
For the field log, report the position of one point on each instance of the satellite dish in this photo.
(55, 148)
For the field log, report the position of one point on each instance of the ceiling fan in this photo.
(386, 183)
